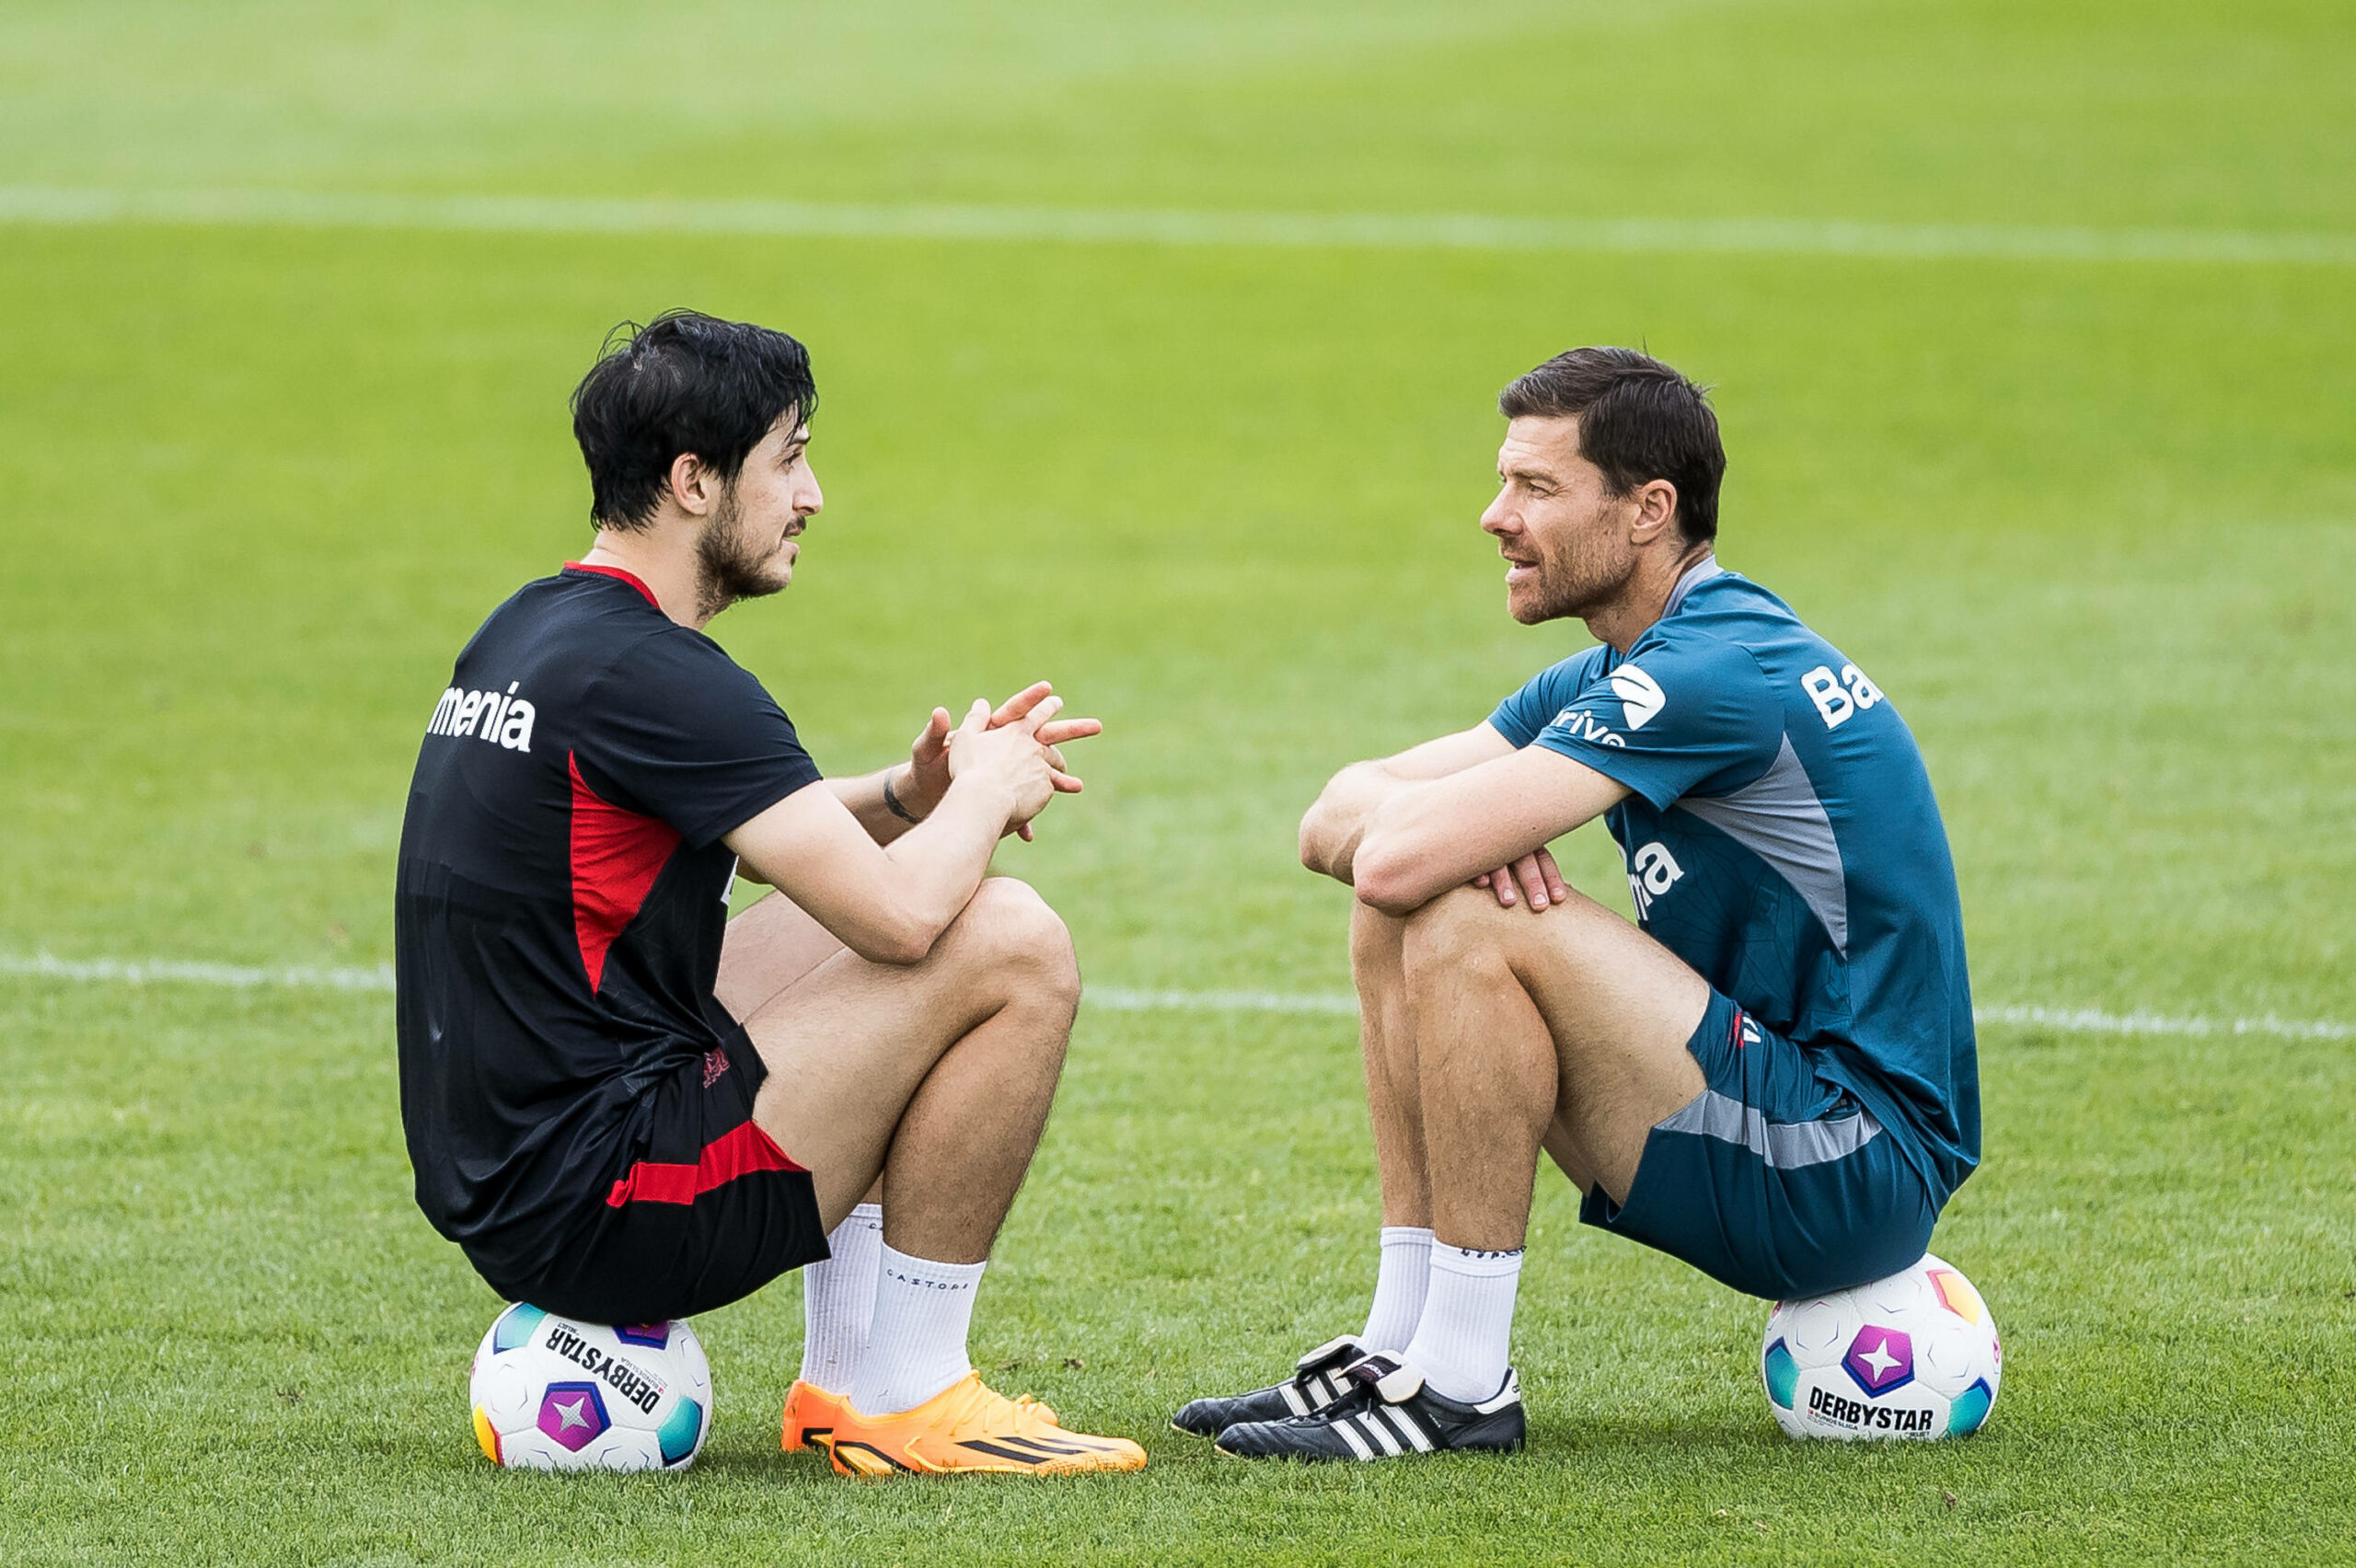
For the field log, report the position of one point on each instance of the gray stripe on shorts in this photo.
(1784, 1145)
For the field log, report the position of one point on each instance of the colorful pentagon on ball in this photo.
(573, 1414)
(656, 1335)
(682, 1435)
(1880, 1359)
(486, 1435)
(1782, 1373)
(1956, 1295)
(514, 1326)
(1969, 1408)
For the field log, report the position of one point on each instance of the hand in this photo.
(1539, 882)
(928, 768)
(1012, 757)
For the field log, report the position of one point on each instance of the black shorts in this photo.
(707, 1211)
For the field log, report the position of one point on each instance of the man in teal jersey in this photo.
(1771, 1076)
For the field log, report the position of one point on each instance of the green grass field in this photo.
(2090, 523)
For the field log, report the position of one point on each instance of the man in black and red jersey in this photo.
(625, 1107)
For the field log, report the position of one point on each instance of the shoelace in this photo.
(982, 1409)
(1357, 1399)
(1029, 1414)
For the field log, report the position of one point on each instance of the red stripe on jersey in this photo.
(741, 1151)
(630, 577)
(616, 855)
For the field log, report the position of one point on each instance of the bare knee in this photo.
(1466, 930)
(1008, 932)
(1460, 931)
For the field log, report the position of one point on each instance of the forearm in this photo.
(1432, 835)
(936, 864)
(864, 795)
(889, 903)
(1335, 826)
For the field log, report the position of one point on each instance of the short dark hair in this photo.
(1639, 421)
(685, 381)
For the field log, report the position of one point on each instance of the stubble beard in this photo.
(1583, 582)
(728, 565)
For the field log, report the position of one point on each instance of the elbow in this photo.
(899, 952)
(1386, 880)
(1320, 826)
(1312, 843)
(897, 944)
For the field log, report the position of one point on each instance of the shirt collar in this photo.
(630, 577)
(1701, 571)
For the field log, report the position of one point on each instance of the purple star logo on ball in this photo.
(574, 1414)
(1880, 1359)
(655, 1334)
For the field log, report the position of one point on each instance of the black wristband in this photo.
(892, 803)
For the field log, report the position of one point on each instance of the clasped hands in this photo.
(933, 762)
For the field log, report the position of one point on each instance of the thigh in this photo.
(768, 948)
(1619, 1007)
(848, 1044)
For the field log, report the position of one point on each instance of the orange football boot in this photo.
(967, 1427)
(810, 1413)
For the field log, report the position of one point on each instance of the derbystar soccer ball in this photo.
(551, 1393)
(1913, 1355)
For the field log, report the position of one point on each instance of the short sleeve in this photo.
(1521, 716)
(679, 732)
(1690, 718)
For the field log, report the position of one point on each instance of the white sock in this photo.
(1399, 1283)
(838, 1299)
(916, 1344)
(1462, 1345)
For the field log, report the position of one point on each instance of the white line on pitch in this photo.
(2087, 1020)
(1172, 227)
(1115, 999)
(2071, 1020)
(165, 970)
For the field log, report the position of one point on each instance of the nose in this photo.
(810, 498)
(1498, 518)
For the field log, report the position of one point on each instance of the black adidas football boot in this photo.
(1386, 1413)
(1316, 1381)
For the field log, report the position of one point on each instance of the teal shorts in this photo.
(1773, 1180)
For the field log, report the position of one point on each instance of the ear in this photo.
(1656, 504)
(691, 484)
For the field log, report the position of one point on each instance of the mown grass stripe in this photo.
(1173, 227)
(1115, 999)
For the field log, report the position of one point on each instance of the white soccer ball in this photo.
(551, 1393)
(1913, 1355)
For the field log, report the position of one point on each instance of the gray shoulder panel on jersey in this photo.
(1784, 1145)
(1779, 818)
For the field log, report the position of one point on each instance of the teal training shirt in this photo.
(1781, 837)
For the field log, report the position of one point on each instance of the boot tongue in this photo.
(1392, 1379)
(1334, 1353)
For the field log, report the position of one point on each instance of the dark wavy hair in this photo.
(1639, 421)
(685, 381)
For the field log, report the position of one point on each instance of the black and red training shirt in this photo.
(562, 897)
